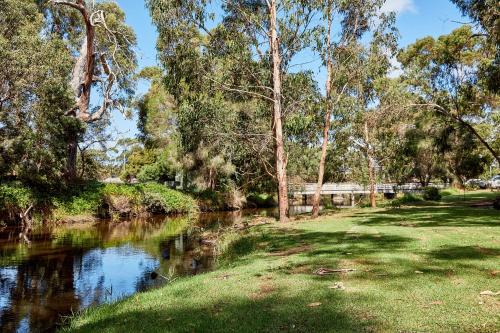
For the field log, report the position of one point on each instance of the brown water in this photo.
(69, 268)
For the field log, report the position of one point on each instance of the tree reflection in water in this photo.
(69, 268)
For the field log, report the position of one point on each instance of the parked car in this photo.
(476, 183)
(494, 182)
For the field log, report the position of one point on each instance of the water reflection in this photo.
(70, 268)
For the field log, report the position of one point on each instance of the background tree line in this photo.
(230, 108)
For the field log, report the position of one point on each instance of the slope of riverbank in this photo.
(431, 268)
(89, 200)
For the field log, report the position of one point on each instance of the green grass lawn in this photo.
(417, 269)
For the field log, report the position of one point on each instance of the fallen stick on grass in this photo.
(326, 271)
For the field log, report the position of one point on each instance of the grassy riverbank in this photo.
(416, 269)
(92, 199)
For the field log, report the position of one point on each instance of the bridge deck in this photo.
(352, 188)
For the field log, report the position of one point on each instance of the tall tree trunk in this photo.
(277, 115)
(371, 167)
(321, 172)
(71, 158)
(81, 84)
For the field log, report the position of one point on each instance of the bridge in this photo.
(353, 188)
(338, 191)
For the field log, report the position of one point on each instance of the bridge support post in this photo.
(352, 200)
(304, 199)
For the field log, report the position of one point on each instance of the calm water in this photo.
(69, 268)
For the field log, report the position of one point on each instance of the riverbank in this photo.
(90, 200)
(417, 268)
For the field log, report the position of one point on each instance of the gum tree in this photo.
(105, 62)
(448, 75)
(257, 41)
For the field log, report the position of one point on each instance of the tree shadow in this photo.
(278, 310)
(431, 216)
(464, 252)
(285, 243)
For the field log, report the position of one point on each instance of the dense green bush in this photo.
(161, 199)
(78, 201)
(406, 199)
(14, 195)
(431, 194)
(450, 191)
(261, 200)
(14, 200)
(94, 199)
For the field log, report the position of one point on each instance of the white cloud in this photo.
(398, 6)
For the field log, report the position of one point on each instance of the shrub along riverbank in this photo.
(421, 268)
(90, 200)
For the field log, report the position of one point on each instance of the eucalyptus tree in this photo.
(33, 95)
(251, 48)
(485, 13)
(447, 76)
(340, 57)
(105, 61)
(367, 101)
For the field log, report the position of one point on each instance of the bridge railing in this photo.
(340, 188)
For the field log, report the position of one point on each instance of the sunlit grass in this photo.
(417, 269)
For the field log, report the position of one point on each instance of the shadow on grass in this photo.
(434, 216)
(464, 252)
(280, 310)
(284, 243)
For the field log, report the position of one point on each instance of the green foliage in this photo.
(15, 196)
(94, 199)
(447, 76)
(485, 13)
(261, 200)
(34, 89)
(79, 201)
(431, 194)
(450, 191)
(161, 199)
(406, 199)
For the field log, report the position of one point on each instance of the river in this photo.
(68, 268)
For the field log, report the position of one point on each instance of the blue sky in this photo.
(415, 19)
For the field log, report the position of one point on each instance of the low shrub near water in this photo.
(15, 199)
(431, 194)
(14, 195)
(227, 199)
(94, 199)
(78, 201)
(406, 199)
(157, 198)
(261, 200)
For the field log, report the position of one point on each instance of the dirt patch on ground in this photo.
(489, 252)
(493, 303)
(495, 273)
(482, 204)
(301, 269)
(407, 224)
(293, 250)
(265, 289)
